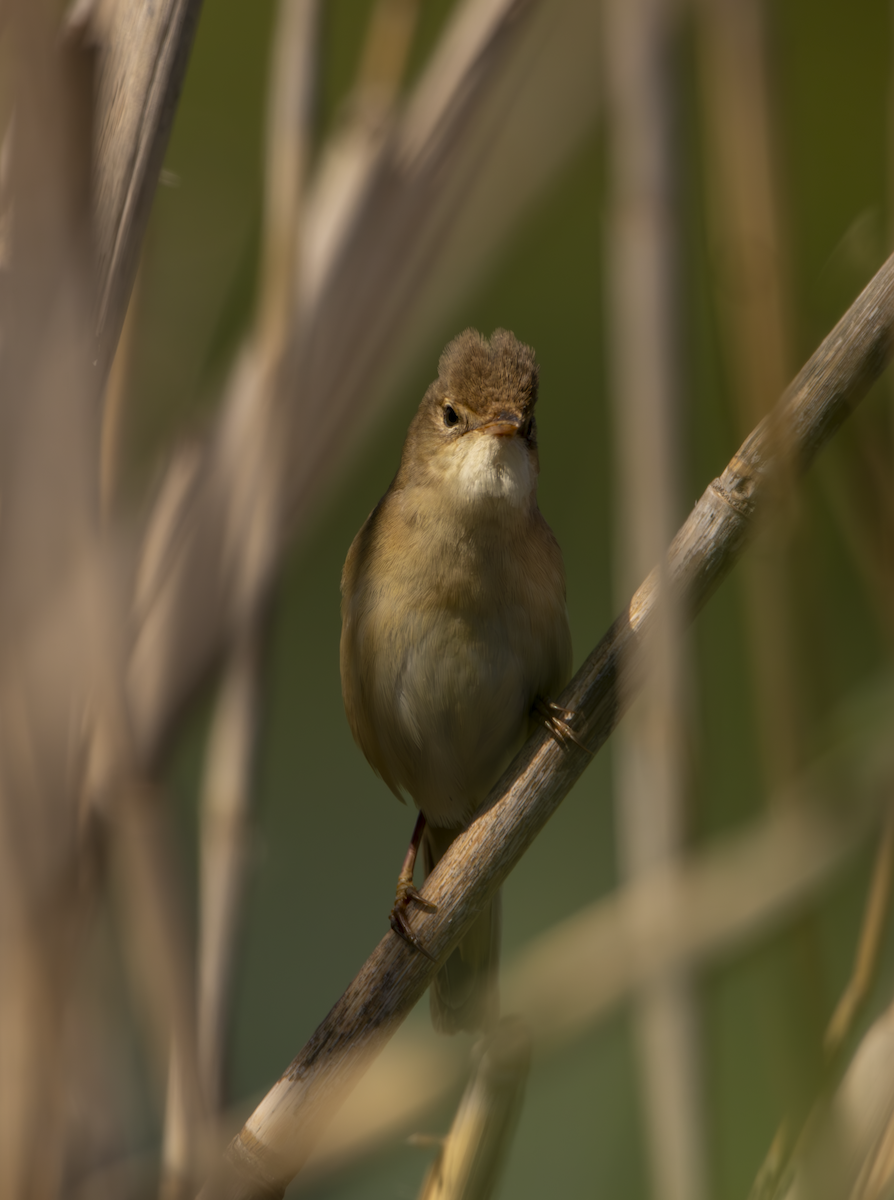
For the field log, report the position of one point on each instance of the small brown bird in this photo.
(454, 626)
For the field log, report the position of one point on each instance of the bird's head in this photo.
(474, 437)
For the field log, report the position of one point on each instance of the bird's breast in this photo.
(456, 633)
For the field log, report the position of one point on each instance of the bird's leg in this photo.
(407, 894)
(557, 721)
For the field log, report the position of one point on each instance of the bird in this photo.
(455, 634)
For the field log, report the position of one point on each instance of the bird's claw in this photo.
(558, 723)
(406, 895)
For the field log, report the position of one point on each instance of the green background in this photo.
(330, 837)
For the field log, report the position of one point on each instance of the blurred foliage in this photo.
(330, 837)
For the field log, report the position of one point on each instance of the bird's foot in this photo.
(558, 723)
(405, 896)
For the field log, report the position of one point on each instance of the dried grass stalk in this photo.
(650, 784)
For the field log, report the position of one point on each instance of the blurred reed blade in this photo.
(294, 53)
(279, 1136)
(144, 51)
(57, 654)
(65, 747)
(876, 917)
(470, 1162)
(692, 913)
(159, 957)
(256, 484)
(650, 785)
(114, 410)
(225, 842)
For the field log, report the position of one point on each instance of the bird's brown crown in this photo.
(480, 380)
(489, 375)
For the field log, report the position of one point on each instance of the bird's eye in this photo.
(527, 429)
(451, 417)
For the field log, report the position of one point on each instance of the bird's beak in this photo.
(505, 424)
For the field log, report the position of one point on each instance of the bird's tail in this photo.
(464, 994)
